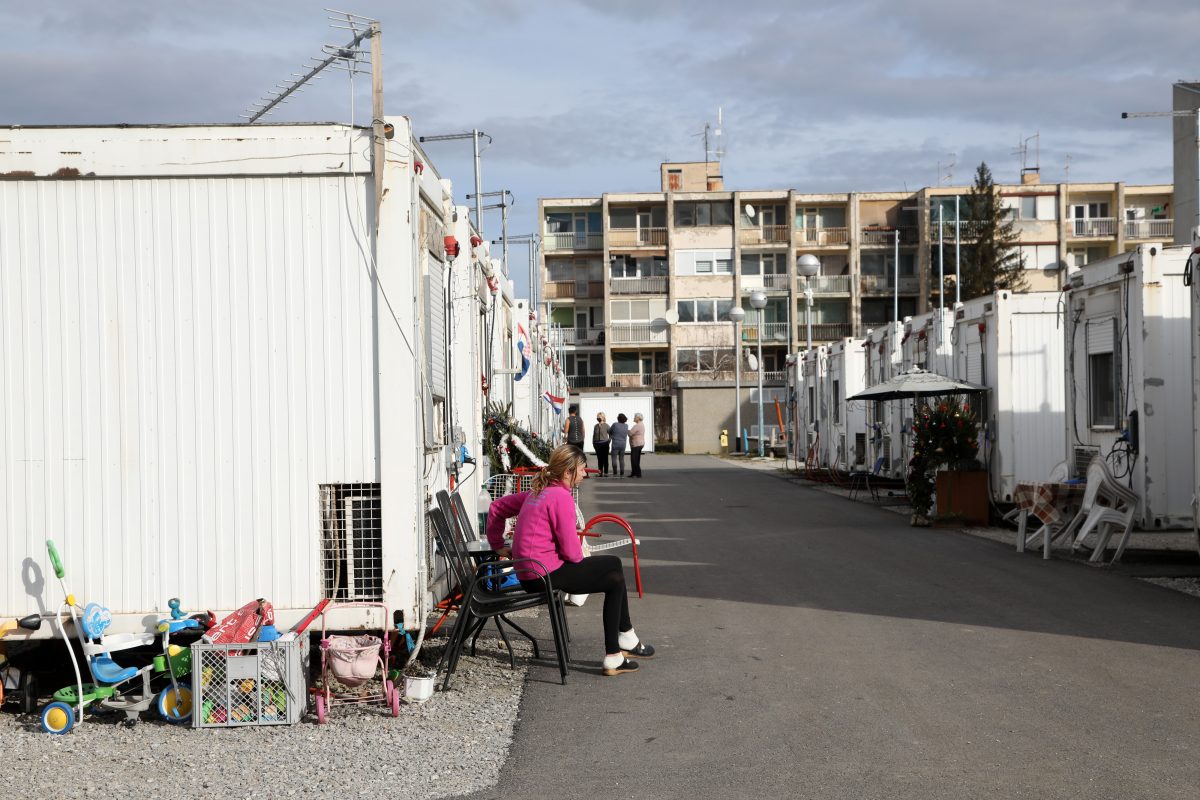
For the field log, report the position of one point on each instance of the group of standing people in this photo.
(611, 442)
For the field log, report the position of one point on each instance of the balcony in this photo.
(557, 242)
(586, 381)
(827, 284)
(748, 377)
(1159, 229)
(765, 283)
(567, 290)
(909, 284)
(767, 234)
(822, 237)
(825, 331)
(636, 333)
(659, 381)
(655, 285)
(637, 237)
(772, 332)
(1094, 227)
(950, 231)
(876, 236)
(583, 337)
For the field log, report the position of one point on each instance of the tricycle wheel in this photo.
(320, 709)
(393, 696)
(176, 708)
(28, 690)
(58, 718)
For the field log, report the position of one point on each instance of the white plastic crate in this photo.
(255, 683)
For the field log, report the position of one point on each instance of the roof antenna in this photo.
(347, 56)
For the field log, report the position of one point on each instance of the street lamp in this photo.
(808, 265)
(736, 315)
(759, 301)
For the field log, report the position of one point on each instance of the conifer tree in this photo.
(991, 259)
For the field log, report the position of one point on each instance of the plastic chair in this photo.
(453, 546)
(1095, 515)
(482, 601)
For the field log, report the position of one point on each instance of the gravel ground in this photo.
(452, 744)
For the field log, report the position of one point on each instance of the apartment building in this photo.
(613, 266)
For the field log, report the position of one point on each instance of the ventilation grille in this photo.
(351, 542)
(1082, 457)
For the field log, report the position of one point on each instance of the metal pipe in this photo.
(761, 448)
(957, 254)
(737, 386)
(478, 184)
(941, 262)
(896, 274)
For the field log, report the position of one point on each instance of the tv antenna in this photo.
(945, 175)
(1023, 151)
(714, 146)
(349, 57)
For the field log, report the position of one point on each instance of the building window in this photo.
(703, 262)
(638, 266)
(884, 263)
(703, 359)
(1102, 383)
(704, 213)
(703, 310)
(764, 263)
(1103, 372)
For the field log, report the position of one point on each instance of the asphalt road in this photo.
(810, 647)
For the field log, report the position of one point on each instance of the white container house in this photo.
(1129, 396)
(846, 420)
(885, 420)
(924, 344)
(810, 382)
(216, 384)
(1013, 344)
(1193, 277)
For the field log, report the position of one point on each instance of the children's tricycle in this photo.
(115, 687)
(352, 661)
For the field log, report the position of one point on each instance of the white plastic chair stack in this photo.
(1107, 505)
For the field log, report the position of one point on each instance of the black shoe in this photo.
(623, 668)
(642, 650)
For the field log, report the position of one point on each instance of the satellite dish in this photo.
(659, 325)
(672, 317)
(749, 209)
(752, 362)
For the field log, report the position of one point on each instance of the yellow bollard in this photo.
(724, 441)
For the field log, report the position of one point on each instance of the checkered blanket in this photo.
(1049, 502)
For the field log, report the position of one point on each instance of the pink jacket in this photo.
(545, 527)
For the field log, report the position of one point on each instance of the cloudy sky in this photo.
(587, 96)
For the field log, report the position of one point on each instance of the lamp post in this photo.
(736, 315)
(807, 266)
(759, 301)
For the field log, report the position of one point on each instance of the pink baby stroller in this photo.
(352, 661)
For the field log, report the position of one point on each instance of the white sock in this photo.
(627, 639)
(612, 662)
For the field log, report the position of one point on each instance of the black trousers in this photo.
(635, 461)
(596, 574)
(601, 456)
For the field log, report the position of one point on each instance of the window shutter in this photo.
(435, 327)
(1101, 334)
(685, 262)
(974, 363)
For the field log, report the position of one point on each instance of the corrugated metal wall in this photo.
(182, 362)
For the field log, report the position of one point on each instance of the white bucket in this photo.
(418, 689)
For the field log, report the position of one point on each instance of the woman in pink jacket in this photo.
(546, 532)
